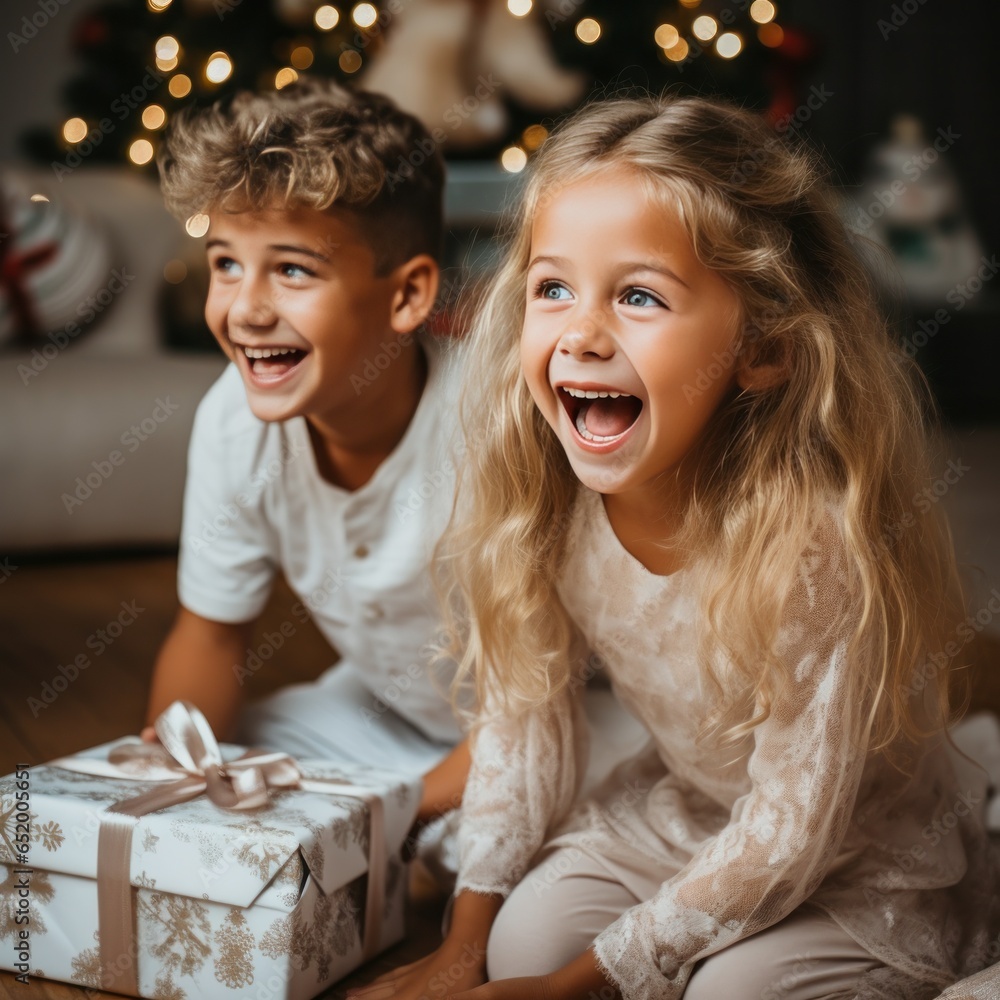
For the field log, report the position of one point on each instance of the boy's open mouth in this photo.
(600, 415)
(272, 362)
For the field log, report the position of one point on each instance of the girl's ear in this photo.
(416, 291)
(763, 365)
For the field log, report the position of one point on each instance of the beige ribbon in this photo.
(189, 749)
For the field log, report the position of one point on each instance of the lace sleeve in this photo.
(783, 835)
(524, 775)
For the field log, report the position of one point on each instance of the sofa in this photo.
(95, 426)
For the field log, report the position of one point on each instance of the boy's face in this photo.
(295, 303)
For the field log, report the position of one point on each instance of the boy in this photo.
(307, 453)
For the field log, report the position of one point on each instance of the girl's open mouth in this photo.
(600, 415)
(272, 363)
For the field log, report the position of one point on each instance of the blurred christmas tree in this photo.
(488, 74)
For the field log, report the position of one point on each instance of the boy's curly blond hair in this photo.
(313, 144)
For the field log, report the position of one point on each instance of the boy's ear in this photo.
(416, 291)
(763, 366)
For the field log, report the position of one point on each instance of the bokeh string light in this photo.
(514, 159)
(666, 36)
(763, 11)
(75, 130)
(364, 15)
(180, 85)
(197, 225)
(588, 31)
(334, 39)
(141, 151)
(219, 67)
(704, 28)
(302, 57)
(154, 117)
(326, 17)
(729, 45)
(533, 136)
(771, 35)
(350, 61)
(167, 47)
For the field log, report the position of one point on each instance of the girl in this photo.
(697, 450)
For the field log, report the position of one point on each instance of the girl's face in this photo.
(627, 344)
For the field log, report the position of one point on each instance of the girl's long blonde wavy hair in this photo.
(849, 419)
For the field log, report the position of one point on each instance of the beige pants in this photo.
(806, 956)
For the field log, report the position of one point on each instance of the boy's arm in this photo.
(444, 784)
(196, 663)
(443, 787)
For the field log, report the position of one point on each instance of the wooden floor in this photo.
(51, 613)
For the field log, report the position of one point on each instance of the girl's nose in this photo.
(587, 336)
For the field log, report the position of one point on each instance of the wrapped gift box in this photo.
(267, 903)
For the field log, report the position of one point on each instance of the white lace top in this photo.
(725, 842)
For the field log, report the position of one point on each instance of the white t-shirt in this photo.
(359, 561)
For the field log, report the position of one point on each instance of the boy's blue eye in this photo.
(295, 271)
(637, 297)
(226, 264)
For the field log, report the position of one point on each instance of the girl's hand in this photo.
(447, 972)
(522, 988)
(582, 979)
(458, 964)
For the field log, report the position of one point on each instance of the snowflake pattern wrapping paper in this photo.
(226, 904)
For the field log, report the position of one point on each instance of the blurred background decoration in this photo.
(489, 74)
(487, 77)
(896, 94)
(866, 80)
(909, 201)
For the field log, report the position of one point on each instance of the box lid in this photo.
(198, 850)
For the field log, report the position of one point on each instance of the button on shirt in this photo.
(358, 561)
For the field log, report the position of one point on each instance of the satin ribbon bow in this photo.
(189, 749)
(190, 762)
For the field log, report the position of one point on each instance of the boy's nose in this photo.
(253, 307)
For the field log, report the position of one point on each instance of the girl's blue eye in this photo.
(295, 271)
(552, 290)
(637, 297)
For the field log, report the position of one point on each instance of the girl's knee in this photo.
(553, 916)
(750, 970)
(720, 976)
(770, 966)
(538, 930)
(522, 939)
